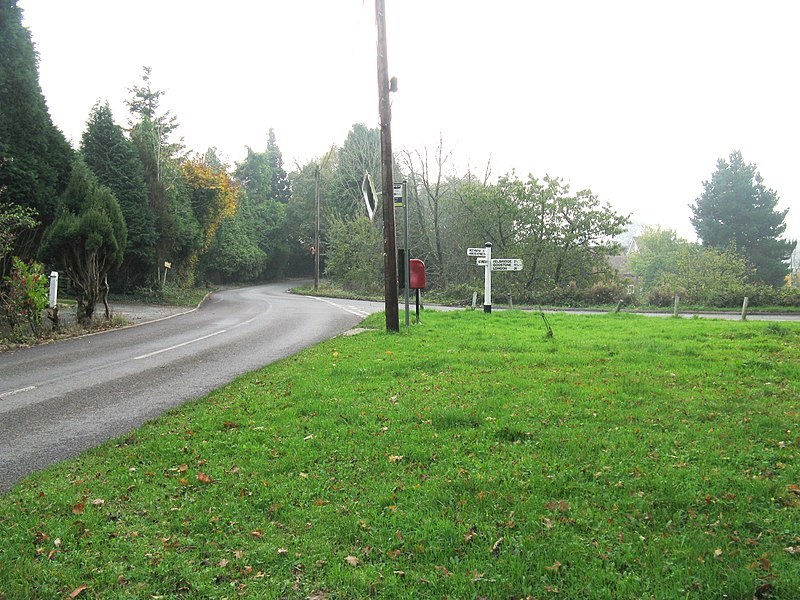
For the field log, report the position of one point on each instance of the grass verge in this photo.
(625, 457)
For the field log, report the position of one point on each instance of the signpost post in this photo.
(400, 202)
(489, 264)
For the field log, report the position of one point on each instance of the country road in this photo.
(60, 399)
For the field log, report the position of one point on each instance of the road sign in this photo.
(476, 252)
(397, 189)
(482, 262)
(506, 264)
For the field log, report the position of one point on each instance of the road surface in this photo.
(60, 399)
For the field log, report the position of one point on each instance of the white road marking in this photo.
(353, 310)
(176, 346)
(18, 391)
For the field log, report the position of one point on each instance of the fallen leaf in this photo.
(718, 552)
(77, 591)
(399, 573)
(792, 549)
(496, 546)
(443, 571)
(548, 523)
(308, 437)
(282, 552)
(98, 502)
(470, 535)
(223, 563)
(394, 459)
(554, 567)
(78, 508)
(257, 534)
(352, 561)
(183, 468)
(203, 478)
(763, 591)
(394, 553)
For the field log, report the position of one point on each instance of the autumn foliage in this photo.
(213, 195)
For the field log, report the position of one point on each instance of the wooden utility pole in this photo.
(387, 189)
(316, 228)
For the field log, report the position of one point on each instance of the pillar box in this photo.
(416, 274)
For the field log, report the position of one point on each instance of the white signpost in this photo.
(506, 264)
(489, 264)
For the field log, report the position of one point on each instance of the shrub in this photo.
(664, 295)
(23, 297)
(606, 292)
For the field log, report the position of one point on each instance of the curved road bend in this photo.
(61, 399)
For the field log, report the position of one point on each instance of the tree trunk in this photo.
(105, 297)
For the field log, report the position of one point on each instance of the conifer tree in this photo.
(114, 160)
(87, 239)
(737, 209)
(35, 158)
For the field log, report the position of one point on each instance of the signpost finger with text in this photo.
(485, 260)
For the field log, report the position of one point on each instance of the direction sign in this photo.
(506, 264)
(476, 252)
(482, 262)
(397, 190)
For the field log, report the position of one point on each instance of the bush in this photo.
(23, 297)
(788, 296)
(664, 295)
(607, 292)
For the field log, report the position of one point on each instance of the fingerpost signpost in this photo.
(489, 264)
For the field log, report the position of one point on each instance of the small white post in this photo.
(744, 308)
(487, 279)
(53, 297)
(474, 299)
(675, 307)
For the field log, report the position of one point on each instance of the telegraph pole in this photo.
(387, 189)
(316, 228)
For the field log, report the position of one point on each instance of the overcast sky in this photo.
(636, 100)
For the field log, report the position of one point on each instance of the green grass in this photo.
(626, 457)
(171, 295)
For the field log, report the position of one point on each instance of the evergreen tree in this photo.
(114, 160)
(179, 234)
(281, 187)
(736, 208)
(87, 240)
(35, 158)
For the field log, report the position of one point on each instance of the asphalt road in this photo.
(58, 400)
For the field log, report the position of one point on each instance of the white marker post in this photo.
(484, 259)
(484, 256)
(487, 280)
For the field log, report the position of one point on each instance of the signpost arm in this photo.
(487, 280)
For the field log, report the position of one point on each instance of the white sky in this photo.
(634, 99)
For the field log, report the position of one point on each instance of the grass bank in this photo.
(625, 457)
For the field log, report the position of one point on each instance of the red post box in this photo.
(416, 274)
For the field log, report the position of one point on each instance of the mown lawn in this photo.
(625, 457)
